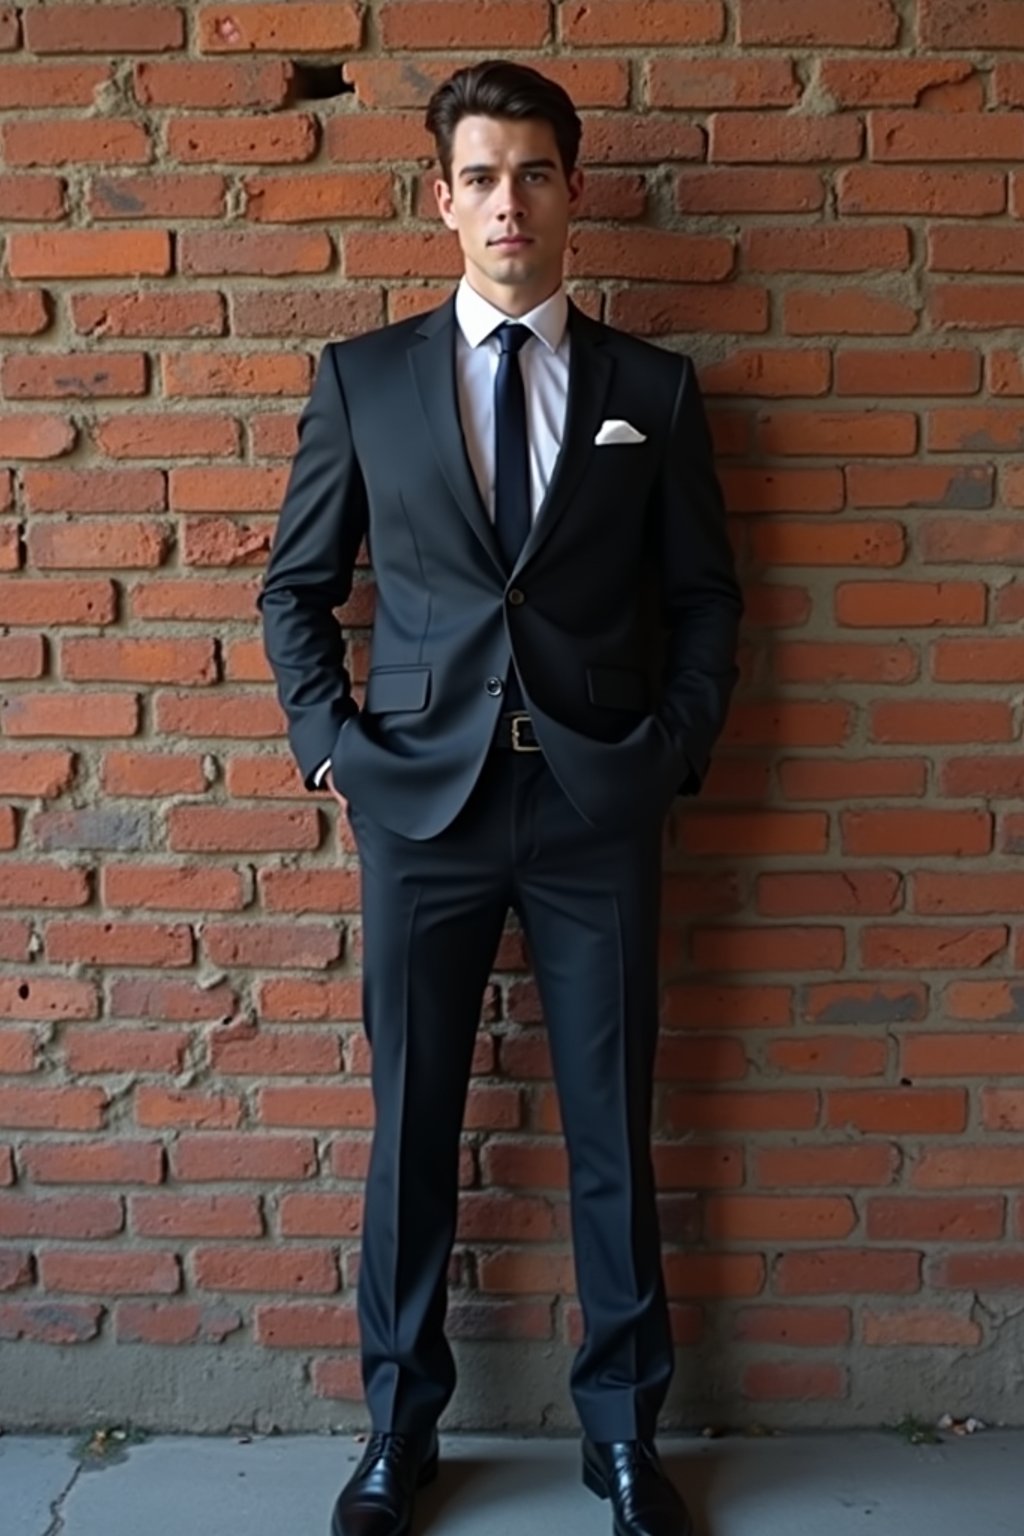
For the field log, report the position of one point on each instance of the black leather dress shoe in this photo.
(378, 1498)
(645, 1502)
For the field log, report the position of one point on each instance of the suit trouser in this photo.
(433, 912)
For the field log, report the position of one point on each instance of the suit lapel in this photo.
(590, 372)
(432, 361)
(433, 366)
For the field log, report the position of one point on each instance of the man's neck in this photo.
(513, 301)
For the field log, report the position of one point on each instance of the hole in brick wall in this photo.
(313, 82)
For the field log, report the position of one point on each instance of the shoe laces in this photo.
(386, 1445)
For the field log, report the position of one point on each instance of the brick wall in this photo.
(822, 203)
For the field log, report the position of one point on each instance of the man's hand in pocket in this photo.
(329, 782)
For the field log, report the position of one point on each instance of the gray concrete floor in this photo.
(816, 1484)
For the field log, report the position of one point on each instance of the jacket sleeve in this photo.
(322, 522)
(701, 599)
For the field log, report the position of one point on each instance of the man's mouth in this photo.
(512, 242)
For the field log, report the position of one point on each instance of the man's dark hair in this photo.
(499, 88)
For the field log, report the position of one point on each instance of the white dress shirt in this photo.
(545, 367)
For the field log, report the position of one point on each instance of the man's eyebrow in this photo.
(525, 165)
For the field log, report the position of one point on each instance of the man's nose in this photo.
(510, 199)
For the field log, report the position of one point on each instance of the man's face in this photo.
(510, 203)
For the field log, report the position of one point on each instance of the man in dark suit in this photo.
(552, 657)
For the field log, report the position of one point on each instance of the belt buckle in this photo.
(516, 721)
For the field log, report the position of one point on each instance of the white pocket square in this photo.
(618, 432)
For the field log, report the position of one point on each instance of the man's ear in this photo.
(443, 198)
(575, 189)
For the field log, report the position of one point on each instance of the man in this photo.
(552, 658)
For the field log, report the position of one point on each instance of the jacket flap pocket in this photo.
(390, 688)
(617, 687)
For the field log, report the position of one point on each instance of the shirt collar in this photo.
(478, 318)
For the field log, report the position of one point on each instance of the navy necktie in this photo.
(512, 514)
(511, 447)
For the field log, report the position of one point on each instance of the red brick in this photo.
(826, 249)
(81, 942)
(432, 24)
(254, 252)
(999, 1271)
(184, 434)
(955, 249)
(791, 722)
(980, 24)
(805, 23)
(957, 1167)
(716, 1275)
(36, 437)
(846, 312)
(1003, 1108)
(120, 1274)
(977, 306)
(891, 371)
(866, 1002)
(36, 199)
(320, 197)
(67, 1216)
(972, 541)
(837, 433)
(953, 136)
(83, 29)
(668, 309)
(887, 82)
(187, 83)
(743, 1110)
(777, 1218)
(968, 1055)
(631, 139)
(991, 660)
(772, 136)
(198, 374)
(920, 485)
(94, 490)
(783, 490)
(821, 661)
(921, 720)
(642, 23)
(242, 140)
(184, 195)
(291, 28)
(940, 193)
(222, 1156)
(923, 1326)
(281, 311)
(800, 543)
(45, 86)
(768, 832)
(649, 254)
(916, 833)
(932, 948)
(57, 1109)
(903, 1218)
(389, 83)
(849, 894)
(769, 949)
(723, 190)
(695, 83)
(73, 376)
(102, 141)
(216, 829)
(90, 253)
(98, 545)
(813, 1327)
(844, 1167)
(239, 488)
(172, 887)
(897, 1111)
(897, 604)
(62, 714)
(847, 1270)
(852, 778)
(988, 775)
(829, 1055)
(770, 374)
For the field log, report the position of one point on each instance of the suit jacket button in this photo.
(516, 597)
(493, 686)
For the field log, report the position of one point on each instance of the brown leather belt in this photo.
(515, 733)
